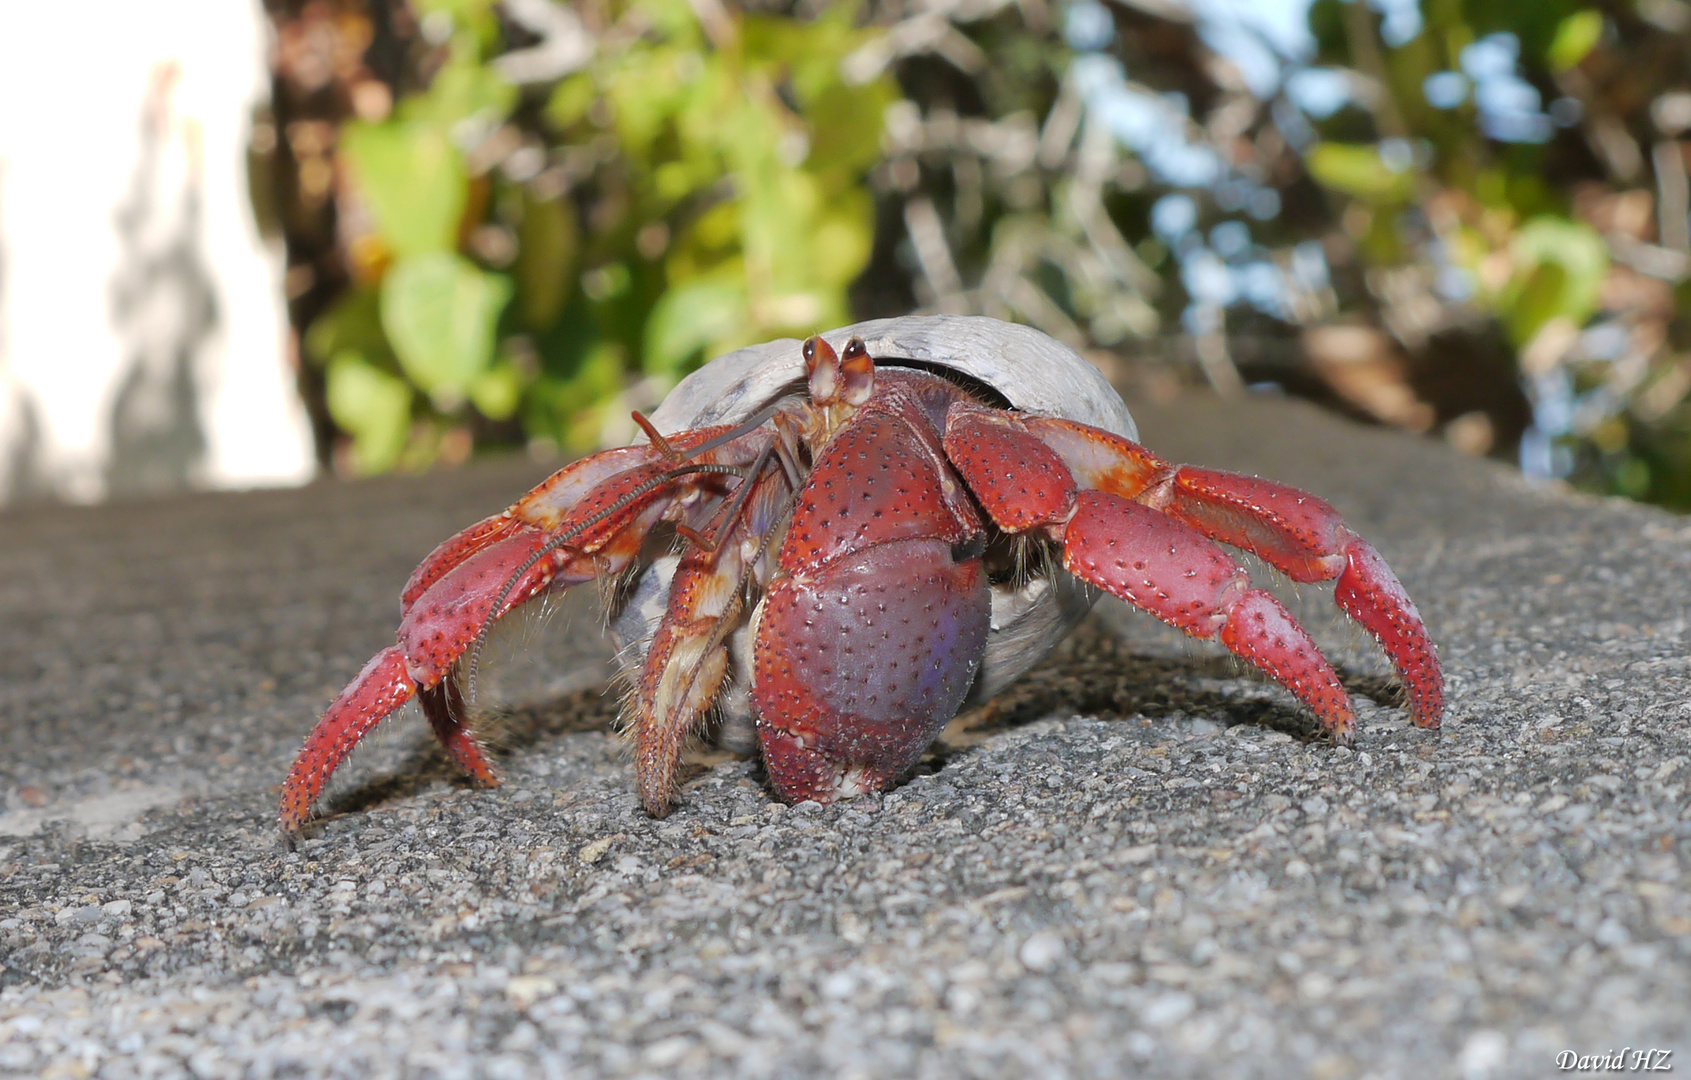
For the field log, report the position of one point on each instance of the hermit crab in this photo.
(840, 543)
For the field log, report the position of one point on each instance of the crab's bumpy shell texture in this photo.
(1034, 373)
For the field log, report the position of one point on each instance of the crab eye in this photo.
(809, 350)
(854, 349)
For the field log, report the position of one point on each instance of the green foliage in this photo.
(1360, 172)
(440, 313)
(374, 406)
(529, 262)
(1575, 37)
(1557, 231)
(413, 180)
(1559, 267)
(531, 256)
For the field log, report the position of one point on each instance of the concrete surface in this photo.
(1134, 864)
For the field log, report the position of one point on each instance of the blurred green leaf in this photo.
(572, 411)
(440, 312)
(547, 240)
(458, 9)
(463, 88)
(1534, 298)
(373, 406)
(1356, 169)
(353, 324)
(1560, 266)
(1575, 37)
(497, 392)
(843, 238)
(691, 316)
(477, 17)
(570, 100)
(414, 181)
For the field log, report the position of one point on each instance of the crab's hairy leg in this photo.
(1298, 534)
(1157, 564)
(543, 506)
(441, 622)
(554, 500)
(383, 686)
(687, 660)
(484, 573)
(443, 707)
(375, 692)
(1306, 539)
(684, 669)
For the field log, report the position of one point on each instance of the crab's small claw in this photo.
(589, 519)
(383, 686)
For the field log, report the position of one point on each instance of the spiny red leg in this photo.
(687, 660)
(1188, 581)
(684, 669)
(1305, 539)
(443, 704)
(379, 689)
(586, 520)
(1293, 531)
(1370, 593)
(450, 552)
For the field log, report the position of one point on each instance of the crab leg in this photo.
(685, 666)
(587, 520)
(687, 660)
(1026, 471)
(443, 706)
(1189, 582)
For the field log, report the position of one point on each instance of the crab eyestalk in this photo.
(839, 383)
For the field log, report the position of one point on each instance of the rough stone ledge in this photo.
(1137, 864)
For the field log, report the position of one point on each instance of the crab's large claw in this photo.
(869, 639)
(1143, 529)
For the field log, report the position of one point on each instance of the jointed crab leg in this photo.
(687, 660)
(443, 705)
(589, 519)
(1140, 531)
(1188, 581)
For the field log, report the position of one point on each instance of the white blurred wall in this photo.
(142, 331)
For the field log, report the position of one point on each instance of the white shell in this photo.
(1034, 372)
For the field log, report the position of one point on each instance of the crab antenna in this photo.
(656, 439)
(822, 364)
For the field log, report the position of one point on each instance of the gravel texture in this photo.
(1136, 862)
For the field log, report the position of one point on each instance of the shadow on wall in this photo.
(21, 476)
(163, 309)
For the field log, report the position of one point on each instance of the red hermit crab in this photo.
(843, 542)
